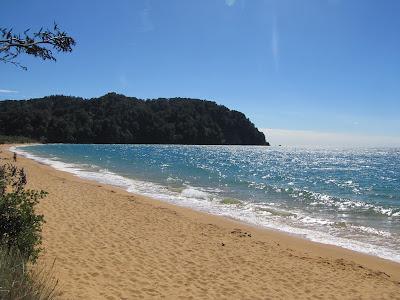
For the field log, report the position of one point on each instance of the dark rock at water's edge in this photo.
(118, 119)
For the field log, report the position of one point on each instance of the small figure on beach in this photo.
(15, 157)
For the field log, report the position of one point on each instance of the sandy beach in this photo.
(110, 244)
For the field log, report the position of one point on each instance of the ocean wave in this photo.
(371, 230)
(275, 212)
(341, 204)
(191, 192)
(323, 200)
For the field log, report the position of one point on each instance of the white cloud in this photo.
(230, 2)
(8, 91)
(286, 137)
(275, 42)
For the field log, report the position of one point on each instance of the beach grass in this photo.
(18, 281)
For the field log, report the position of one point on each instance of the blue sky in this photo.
(329, 66)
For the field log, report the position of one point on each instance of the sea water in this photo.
(345, 197)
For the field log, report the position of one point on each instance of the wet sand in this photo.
(110, 244)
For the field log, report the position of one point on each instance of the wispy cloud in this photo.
(8, 91)
(145, 19)
(230, 2)
(275, 42)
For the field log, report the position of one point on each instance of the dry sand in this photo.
(109, 244)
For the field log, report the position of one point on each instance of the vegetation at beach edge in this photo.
(20, 240)
(5, 139)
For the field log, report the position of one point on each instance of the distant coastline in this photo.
(117, 119)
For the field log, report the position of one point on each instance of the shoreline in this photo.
(356, 273)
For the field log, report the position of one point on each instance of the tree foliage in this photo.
(39, 44)
(20, 227)
(115, 118)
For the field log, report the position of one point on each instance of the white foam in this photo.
(191, 192)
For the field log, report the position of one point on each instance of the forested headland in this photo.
(115, 118)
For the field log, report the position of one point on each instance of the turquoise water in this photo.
(345, 197)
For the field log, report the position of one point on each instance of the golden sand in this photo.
(110, 244)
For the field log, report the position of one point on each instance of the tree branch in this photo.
(38, 44)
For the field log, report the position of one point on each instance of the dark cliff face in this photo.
(115, 118)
